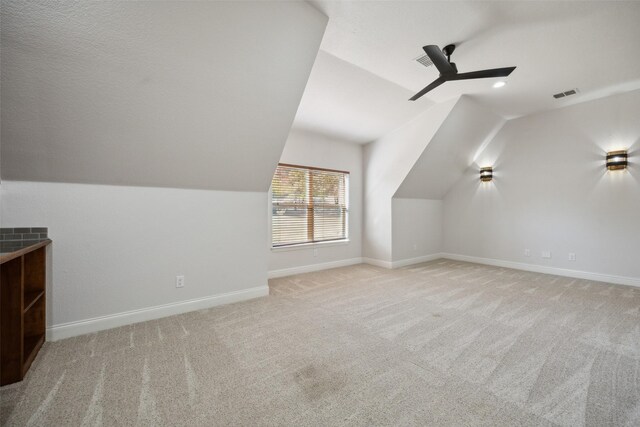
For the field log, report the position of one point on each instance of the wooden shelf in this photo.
(4, 257)
(30, 350)
(22, 310)
(30, 298)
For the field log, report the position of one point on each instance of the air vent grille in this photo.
(567, 93)
(424, 60)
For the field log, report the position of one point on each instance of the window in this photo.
(309, 205)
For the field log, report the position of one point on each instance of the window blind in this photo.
(308, 205)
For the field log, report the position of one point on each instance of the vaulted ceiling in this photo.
(346, 102)
(555, 45)
(157, 93)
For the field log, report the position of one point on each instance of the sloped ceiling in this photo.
(451, 151)
(351, 104)
(556, 46)
(175, 94)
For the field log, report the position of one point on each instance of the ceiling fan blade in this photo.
(483, 74)
(434, 84)
(439, 60)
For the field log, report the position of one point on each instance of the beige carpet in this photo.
(441, 343)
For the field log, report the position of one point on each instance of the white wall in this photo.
(155, 94)
(387, 162)
(551, 191)
(310, 149)
(417, 228)
(117, 249)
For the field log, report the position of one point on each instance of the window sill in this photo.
(310, 245)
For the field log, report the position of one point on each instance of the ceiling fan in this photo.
(449, 71)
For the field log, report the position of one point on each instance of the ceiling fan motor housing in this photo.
(448, 50)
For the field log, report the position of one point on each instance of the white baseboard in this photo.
(402, 262)
(619, 280)
(352, 261)
(417, 260)
(378, 262)
(72, 329)
(313, 267)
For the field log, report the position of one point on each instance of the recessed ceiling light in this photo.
(498, 84)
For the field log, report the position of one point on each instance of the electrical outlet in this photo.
(415, 246)
(179, 281)
(572, 256)
(315, 252)
(546, 254)
(527, 252)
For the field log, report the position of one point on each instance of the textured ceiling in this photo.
(348, 103)
(171, 94)
(556, 46)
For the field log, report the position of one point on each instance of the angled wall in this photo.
(451, 150)
(409, 171)
(148, 94)
(417, 204)
(387, 162)
(166, 94)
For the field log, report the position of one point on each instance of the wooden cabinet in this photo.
(22, 309)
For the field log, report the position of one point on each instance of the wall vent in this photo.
(567, 93)
(424, 60)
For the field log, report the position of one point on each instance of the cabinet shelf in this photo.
(30, 298)
(31, 347)
(22, 309)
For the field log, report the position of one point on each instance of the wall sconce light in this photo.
(617, 160)
(486, 174)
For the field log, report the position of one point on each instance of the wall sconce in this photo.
(486, 174)
(617, 160)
